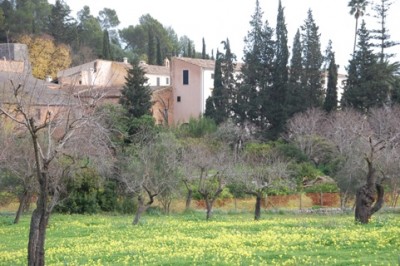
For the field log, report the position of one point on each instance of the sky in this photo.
(217, 20)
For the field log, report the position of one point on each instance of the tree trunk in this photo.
(189, 199)
(23, 199)
(343, 200)
(39, 221)
(209, 206)
(365, 197)
(257, 212)
(142, 206)
(140, 210)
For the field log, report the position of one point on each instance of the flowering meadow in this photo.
(228, 239)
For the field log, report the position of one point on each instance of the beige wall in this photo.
(11, 66)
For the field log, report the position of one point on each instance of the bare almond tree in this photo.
(261, 170)
(58, 125)
(345, 129)
(19, 165)
(210, 164)
(151, 169)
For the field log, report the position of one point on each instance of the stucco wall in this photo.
(190, 95)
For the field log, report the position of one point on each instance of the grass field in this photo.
(228, 239)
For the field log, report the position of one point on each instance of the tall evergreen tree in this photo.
(203, 52)
(189, 49)
(60, 24)
(159, 55)
(366, 85)
(312, 62)
(382, 35)
(277, 113)
(228, 68)
(106, 46)
(151, 48)
(295, 97)
(247, 104)
(136, 95)
(331, 101)
(269, 96)
(217, 103)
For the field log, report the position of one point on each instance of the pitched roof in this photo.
(39, 91)
(205, 63)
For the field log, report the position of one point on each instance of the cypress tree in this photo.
(312, 62)
(247, 105)
(159, 55)
(136, 95)
(278, 109)
(106, 46)
(151, 48)
(203, 52)
(270, 99)
(189, 49)
(228, 67)
(217, 103)
(331, 100)
(295, 94)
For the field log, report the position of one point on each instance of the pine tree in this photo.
(106, 46)
(331, 100)
(366, 85)
(312, 62)
(136, 95)
(295, 97)
(381, 35)
(60, 23)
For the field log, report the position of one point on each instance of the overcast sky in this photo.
(216, 20)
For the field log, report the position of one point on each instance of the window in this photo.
(212, 75)
(167, 81)
(158, 81)
(178, 99)
(185, 77)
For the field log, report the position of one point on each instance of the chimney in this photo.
(166, 62)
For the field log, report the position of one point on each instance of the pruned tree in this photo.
(151, 169)
(343, 129)
(18, 167)
(209, 164)
(64, 127)
(369, 197)
(261, 170)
